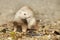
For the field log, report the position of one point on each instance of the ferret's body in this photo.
(31, 22)
(25, 13)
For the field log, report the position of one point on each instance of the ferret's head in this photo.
(24, 13)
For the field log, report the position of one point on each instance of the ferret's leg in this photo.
(36, 27)
(15, 29)
(24, 28)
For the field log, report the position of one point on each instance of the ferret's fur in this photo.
(25, 13)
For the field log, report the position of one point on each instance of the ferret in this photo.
(26, 13)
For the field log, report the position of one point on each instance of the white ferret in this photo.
(25, 13)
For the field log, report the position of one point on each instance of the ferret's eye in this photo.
(24, 14)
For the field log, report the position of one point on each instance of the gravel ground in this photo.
(47, 32)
